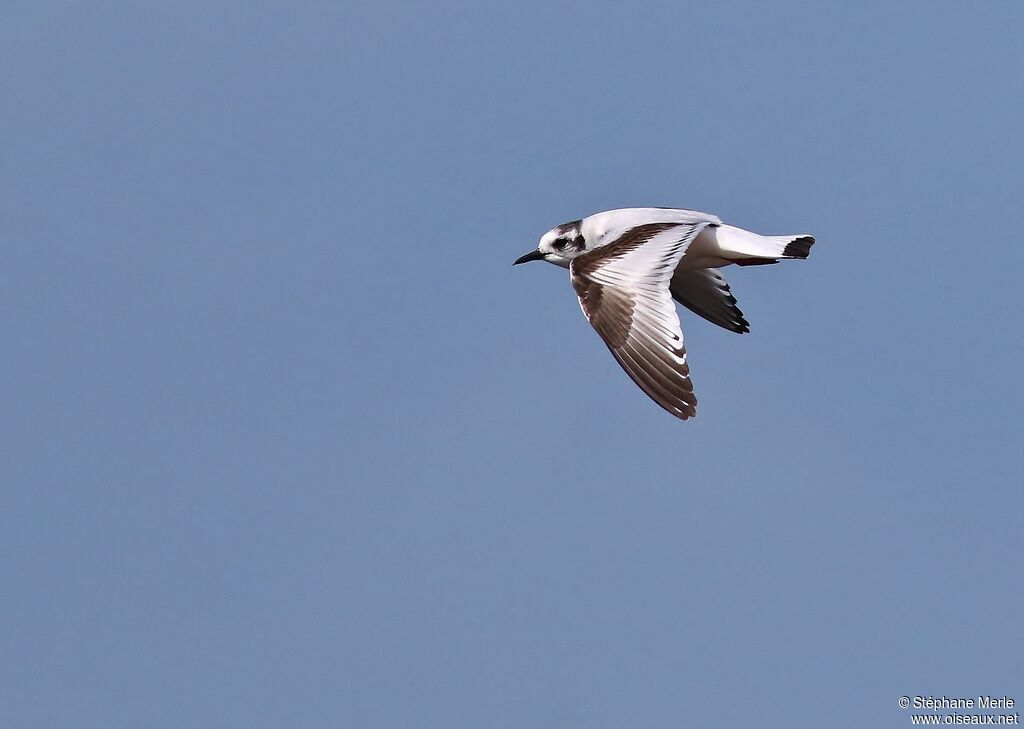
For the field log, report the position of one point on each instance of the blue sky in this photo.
(290, 443)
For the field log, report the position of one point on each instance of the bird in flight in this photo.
(628, 265)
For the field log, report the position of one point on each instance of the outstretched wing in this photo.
(623, 288)
(705, 292)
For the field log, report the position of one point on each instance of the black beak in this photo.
(531, 256)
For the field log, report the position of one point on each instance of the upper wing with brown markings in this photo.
(623, 289)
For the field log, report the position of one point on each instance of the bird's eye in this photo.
(560, 243)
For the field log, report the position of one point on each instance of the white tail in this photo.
(746, 248)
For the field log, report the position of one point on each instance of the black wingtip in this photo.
(798, 247)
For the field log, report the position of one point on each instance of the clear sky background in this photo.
(287, 442)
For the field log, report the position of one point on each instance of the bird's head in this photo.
(559, 245)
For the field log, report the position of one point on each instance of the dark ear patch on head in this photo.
(571, 237)
(569, 242)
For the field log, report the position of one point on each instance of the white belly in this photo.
(704, 252)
